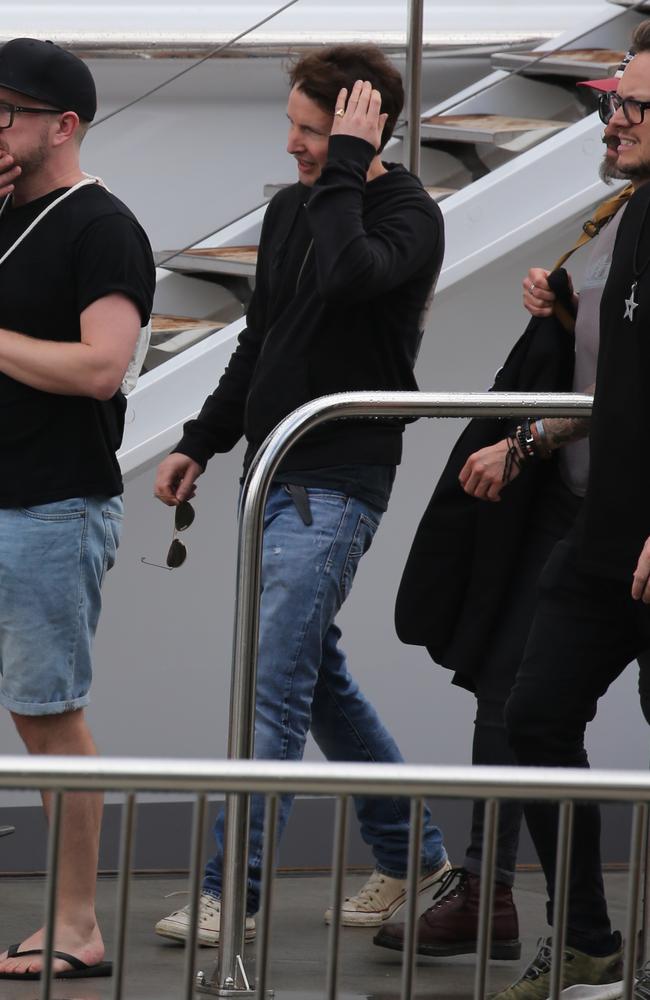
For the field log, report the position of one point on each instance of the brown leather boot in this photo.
(450, 926)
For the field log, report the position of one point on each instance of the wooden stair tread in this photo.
(173, 334)
(496, 129)
(438, 193)
(208, 262)
(588, 63)
(162, 323)
(242, 255)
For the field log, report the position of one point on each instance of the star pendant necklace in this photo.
(637, 270)
(631, 304)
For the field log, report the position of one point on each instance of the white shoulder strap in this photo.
(41, 216)
(142, 343)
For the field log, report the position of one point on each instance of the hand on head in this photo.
(360, 114)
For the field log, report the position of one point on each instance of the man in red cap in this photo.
(592, 616)
(450, 925)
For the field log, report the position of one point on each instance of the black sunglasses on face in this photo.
(9, 111)
(610, 102)
(184, 516)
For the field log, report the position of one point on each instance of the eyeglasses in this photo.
(177, 554)
(9, 111)
(610, 102)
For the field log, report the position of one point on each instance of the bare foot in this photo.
(89, 948)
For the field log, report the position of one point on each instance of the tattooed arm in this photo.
(487, 471)
(558, 431)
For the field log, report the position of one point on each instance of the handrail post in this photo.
(414, 83)
(240, 739)
(227, 974)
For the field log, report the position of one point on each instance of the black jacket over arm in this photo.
(461, 560)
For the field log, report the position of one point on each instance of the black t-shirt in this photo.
(370, 483)
(615, 520)
(54, 446)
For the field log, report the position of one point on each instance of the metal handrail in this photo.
(246, 626)
(414, 84)
(493, 784)
(326, 778)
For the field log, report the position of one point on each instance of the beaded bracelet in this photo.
(526, 441)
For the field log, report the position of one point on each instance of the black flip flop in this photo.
(79, 969)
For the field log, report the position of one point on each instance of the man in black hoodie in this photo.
(347, 262)
(592, 614)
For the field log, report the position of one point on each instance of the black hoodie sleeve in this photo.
(354, 264)
(220, 424)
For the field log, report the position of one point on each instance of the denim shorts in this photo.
(53, 558)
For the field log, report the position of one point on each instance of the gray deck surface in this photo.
(299, 944)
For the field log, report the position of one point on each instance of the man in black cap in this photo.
(76, 287)
(592, 616)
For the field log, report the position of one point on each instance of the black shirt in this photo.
(55, 446)
(615, 520)
(370, 483)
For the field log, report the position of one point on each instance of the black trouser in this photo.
(550, 519)
(585, 631)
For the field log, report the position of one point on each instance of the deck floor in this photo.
(299, 943)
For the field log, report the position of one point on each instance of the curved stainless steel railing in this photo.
(253, 499)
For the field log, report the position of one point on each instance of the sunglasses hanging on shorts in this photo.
(184, 516)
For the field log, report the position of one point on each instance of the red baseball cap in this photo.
(611, 82)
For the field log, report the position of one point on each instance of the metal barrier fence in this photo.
(229, 978)
(271, 778)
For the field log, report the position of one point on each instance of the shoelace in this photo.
(541, 964)
(206, 904)
(454, 874)
(371, 888)
(642, 987)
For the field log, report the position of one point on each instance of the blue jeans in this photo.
(303, 680)
(53, 558)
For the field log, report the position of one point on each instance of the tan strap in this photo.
(601, 216)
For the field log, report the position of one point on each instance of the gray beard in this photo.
(609, 172)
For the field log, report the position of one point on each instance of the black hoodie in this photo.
(344, 274)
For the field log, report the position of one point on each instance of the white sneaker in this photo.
(381, 897)
(609, 991)
(177, 924)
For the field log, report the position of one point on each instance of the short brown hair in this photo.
(641, 37)
(321, 74)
